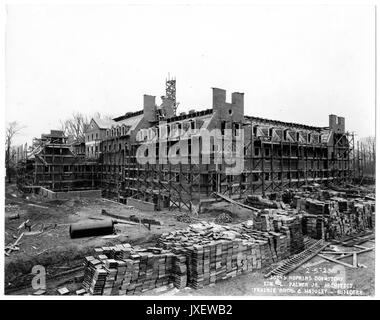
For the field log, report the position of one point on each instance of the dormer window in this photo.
(192, 125)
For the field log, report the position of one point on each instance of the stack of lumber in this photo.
(132, 270)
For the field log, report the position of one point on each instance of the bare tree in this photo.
(367, 155)
(12, 129)
(76, 126)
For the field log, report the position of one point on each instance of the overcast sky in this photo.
(294, 63)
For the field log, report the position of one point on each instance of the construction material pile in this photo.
(223, 218)
(126, 270)
(216, 252)
(184, 218)
(312, 225)
(202, 254)
(356, 218)
(337, 217)
(259, 202)
(285, 221)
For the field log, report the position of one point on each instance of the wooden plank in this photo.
(355, 259)
(14, 244)
(337, 261)
(349, 252)
(237, 203)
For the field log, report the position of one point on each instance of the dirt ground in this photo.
(55, 250)
(62, 256)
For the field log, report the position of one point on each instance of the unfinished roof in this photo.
(53, 134)
(130, 122)
(128, 115)
(287, 124)
(190, 115)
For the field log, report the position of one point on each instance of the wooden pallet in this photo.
(298, 259)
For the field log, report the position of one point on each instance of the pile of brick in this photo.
(126, 270)
(202, 254)
(94, 276)
(348, 218)
(216, 252)
(340, 217)
(223, 218)
(312, 226)
(285, 221)
(315, 206)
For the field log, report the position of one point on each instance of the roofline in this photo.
(190, 115)
(128, 115)
(288, 124)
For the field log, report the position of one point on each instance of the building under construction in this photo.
(55, 164)
(274, 156)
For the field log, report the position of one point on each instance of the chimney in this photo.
(149, 107)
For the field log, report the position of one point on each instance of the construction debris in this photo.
(80, 292)
(14, 216)
(126, 270)
(39, 292)
(13, 247)
(337, 217)
(223, 218)
(63, 291)
(184, 218)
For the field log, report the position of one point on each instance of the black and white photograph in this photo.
(187, 150)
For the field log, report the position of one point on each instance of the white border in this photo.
(167, 2)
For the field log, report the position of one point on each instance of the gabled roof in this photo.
(104, 123)
(130, 123)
